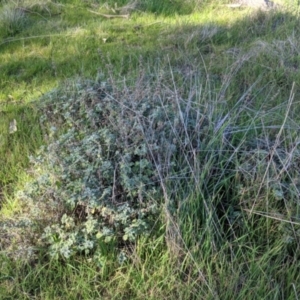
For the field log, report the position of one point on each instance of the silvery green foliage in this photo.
(107, 153)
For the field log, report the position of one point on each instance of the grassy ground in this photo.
(232, 229)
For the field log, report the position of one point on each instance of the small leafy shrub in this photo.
(109, 150)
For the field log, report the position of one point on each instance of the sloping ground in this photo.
(228, 125)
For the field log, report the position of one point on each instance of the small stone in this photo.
(13, 126)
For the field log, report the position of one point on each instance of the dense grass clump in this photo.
(12, 21)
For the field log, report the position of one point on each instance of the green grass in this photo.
(229, 223)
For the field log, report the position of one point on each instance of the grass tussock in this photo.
(12, 20)
(170, 165)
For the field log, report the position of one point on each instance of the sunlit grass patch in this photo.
(19, 142)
